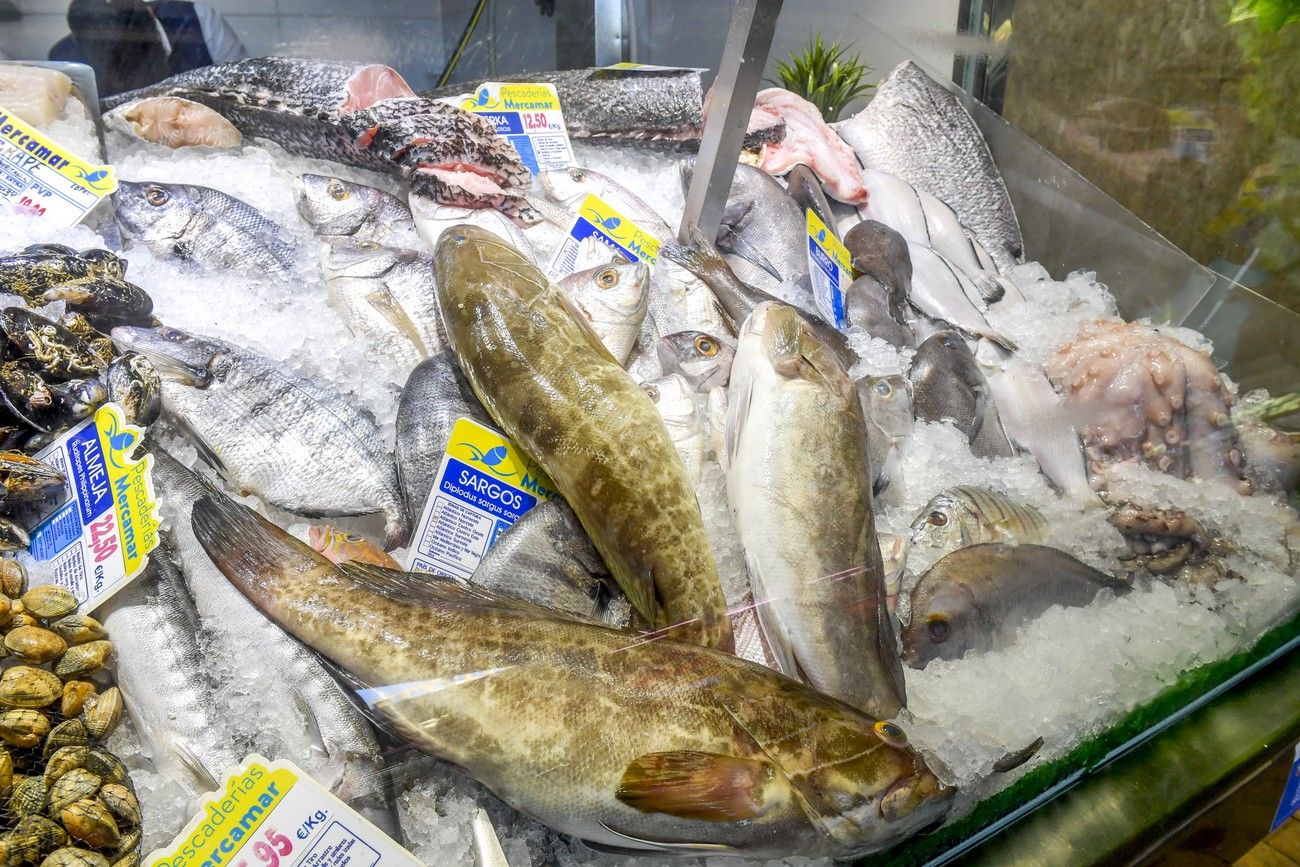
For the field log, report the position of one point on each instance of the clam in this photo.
(24, 686)
(90, 822)
(34, 643)
(71, 787)
(71, 856)
(23, 727)
(49, 601)
(83, 659)
(103, 712)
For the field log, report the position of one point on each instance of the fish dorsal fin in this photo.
(696, 785)
(418, 588)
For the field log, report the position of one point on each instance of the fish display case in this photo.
(618, 464)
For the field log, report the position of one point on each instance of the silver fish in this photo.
(675, 400)
(333, 206)
(203, 226)
(870, 305)
(703, 359)
(887, 407)
(764, 235)
(546, 558)
(435, 396)
(385, 295)
(308, 718)
(1036, 417)
(295, 443)
(614, 299)
(816, 574)
(976, 598)
(568, 187)
(920, 217)
(164, 674)
(432, 218)
(968, 515)
(916, 129)
(941, 291)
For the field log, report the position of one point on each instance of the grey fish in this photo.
(295, 443)
(969, 515)
(568, 187)
(802, 185)
(203, 226)
(887, 406)
(764, 234)
(333, 206)
(976, 598)
(385, 295)
(881, 253)
(703, 359)
(359, 114)
(636, 104)
(920, 217)
(916, 129)
(816, 574)
(947, 383)
(546, 558)
(315, 725)
(435, 396)
(164, 674)
(871, 306)
(593, 731)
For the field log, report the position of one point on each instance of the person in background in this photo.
(133, 43)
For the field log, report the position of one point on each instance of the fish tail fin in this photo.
(397, 525)
(247, 548)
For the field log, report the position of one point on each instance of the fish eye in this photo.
(607, 278)
(652, 391)
(939, 629)
(156, 196)
(891, 734)
(337, 191)
(706, 347)
(937, 519)
(883, 388)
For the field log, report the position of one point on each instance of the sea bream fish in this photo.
(432, 218)
(436, 396)
(308, 718)
(204, 226)
(662, 747)
(385, 295)
(809, 141)
(920, 217)
(703, 359)
(796, 440)
(915, 129)
(295, 443)
(333, 206)
(359, 114)
(587, 424)
(613, 299)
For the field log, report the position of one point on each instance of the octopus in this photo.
(1138, 395)
(1169, 542)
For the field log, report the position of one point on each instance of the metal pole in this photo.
(753, 22)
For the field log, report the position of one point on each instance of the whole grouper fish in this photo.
(654, 746)
(547, 380)
(360, 114)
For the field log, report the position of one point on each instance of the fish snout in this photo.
(919, 798)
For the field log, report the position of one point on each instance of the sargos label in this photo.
(271, 814)
(484, 484)
(41, 178)
(100, 537)
(600, 220)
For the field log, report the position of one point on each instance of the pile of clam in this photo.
(68, 801)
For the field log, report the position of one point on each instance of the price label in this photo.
(271, 814)
(100, 536)
(529, 116)
(830, 266)
(600, 221)
(1290, 804)
(40, 178)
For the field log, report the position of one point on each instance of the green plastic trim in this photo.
(1088, 757)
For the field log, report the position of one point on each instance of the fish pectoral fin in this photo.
(388, 307)
(201, 445)
(734, 243)
(696, 785)
(639, 845)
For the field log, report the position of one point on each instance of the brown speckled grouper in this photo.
(549, 382)
(660, 747)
